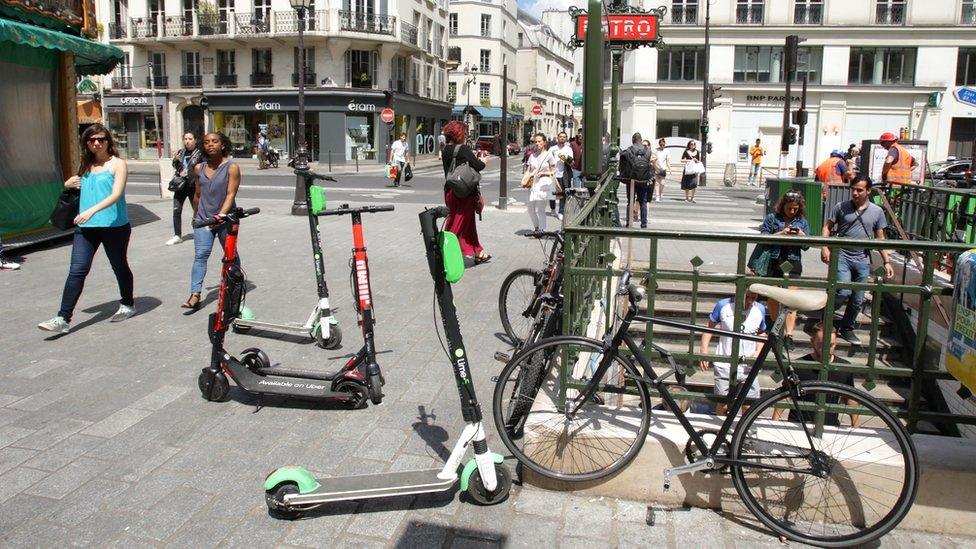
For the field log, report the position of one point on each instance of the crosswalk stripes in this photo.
(711, 211)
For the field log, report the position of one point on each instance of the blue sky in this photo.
(535, 7)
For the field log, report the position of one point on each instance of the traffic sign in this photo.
(387, 115)
(537, 110)
(966, 95)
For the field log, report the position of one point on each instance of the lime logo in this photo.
(459, 353)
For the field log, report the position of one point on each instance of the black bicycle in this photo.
(520, 297)
(817, 462)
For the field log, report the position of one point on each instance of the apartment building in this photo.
(546, 77)
(242, 57)
(482, 36)
(872, 66)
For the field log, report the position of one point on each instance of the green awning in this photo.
(90, 57)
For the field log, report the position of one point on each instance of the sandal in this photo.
(193, 302)
(478, 260)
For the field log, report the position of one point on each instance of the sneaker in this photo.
(850, 336)
(559, 217)
(123, 313)
(657, 199)
(56, 324)
(7, 265)
(174, 240)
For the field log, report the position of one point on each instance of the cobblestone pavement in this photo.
(105, 440)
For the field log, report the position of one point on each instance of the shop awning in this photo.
(486, 113)
(89, 112)
(90, 57)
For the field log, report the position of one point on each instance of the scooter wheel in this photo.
(213, 385)
(277, 507)
(481, 496)
(376, 388)
(331, 342)
(253, 358)
(357, 394)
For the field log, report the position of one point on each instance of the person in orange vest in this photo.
(834, 170)
(898, 164)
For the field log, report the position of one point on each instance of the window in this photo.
(749, 12)
(225, 63)
(484, 91)
(261, 61)
(452, 24)
(808, 12)
(191, 63)
(361, 68)
(158, 62)
(262, 10)
(968, 12)
(189, 6)
(684, 12)
(766, 64)
(309, 65)
(451, 92)
(399, 75)
(890, 12)
(681, 64)
(520, 40)
(879, 66)
(485, 25)
(966, 67)
(485, 61)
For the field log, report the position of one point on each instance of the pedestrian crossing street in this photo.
(713, 211)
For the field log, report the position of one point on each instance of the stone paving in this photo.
(105, 440)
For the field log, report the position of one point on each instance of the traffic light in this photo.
(790, 53)
(708, 148)
(791, 135)
(799, 117)
(713, 95)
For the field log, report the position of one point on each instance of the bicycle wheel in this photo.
(515, 299)
(849, 486)
(539, 426)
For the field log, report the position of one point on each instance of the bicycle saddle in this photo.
(798, 300)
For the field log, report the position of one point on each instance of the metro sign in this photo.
(627, 30)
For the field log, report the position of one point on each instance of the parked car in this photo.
(950, 173)
(514, 148)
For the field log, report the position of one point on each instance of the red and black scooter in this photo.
(359, 378)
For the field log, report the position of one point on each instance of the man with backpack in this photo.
(636, 172)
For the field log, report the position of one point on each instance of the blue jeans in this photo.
(83, 248)
(850, 270)
(577, 179)
(203, 241)
(754, 172)
(642, 190)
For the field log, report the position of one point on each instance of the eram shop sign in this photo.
(361, 107)
(267, 106)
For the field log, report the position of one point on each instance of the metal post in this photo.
(300, 206)
(593, 94)
(802, 122)
(503, 161)
(616, 60)
(784, 144)
(703, 149)
(152, 93)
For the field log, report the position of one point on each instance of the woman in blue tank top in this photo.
(102, 220)
(217, 181)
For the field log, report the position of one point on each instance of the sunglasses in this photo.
(793, 195)
(98, 140)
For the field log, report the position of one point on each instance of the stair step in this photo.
(801, 337)
(670, 308)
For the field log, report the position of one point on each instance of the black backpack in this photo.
(640, 168)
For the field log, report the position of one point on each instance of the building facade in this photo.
(546, 78)
(872, 66)
(234, 67)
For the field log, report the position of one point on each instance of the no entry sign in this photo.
(387, 115)
(537, 110)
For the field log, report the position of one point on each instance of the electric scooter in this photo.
(291, 491)
(358, 379)
(321, 324)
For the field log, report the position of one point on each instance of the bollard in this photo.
(330, 161)
(357, 161)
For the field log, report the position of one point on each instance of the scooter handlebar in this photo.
(345, 209)
(232, 215)
(312, 175)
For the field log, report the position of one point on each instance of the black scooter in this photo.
(358, 379)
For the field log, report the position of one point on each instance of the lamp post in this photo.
(300, 206)
(470, 77)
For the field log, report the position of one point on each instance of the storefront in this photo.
(133, 126)
(340, 127)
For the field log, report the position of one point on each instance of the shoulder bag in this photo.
(759, 259)
(66, 209)
(462, 179)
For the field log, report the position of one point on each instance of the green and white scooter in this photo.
(321, 324)
(291, 491)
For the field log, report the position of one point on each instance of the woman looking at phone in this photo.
(787, 219)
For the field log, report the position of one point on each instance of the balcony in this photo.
(454, 55)
(262, 80)
(355, 21)
(286, 22)
(890, 14)
(176, 26)
(225, 80)
(121, 82)
(408, 33)
(117, 31)
(684, 15)
(808, 15)
(211, 24)
(144, 28)
(749, 15)
(253, 23)
(158, 81)
(309, 79)
(191, 81)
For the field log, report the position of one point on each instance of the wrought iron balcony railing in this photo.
(191, 80)
(684, 15)
(367, 22)
(211, 24)
(122, 82)
(287, 21)
(408, 33)
(225, 80)
(454, 54)
(262, 80)
(177, 25)
(117, 31)
(890, 14)
(157, 81)
(309, 79)
(749, 15)
(144, 28)
(810, 14)
(258, 22)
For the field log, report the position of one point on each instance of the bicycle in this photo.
(846, 482)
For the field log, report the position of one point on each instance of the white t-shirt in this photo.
(724, 315)
(542, 187)
(399, 151)
(556, 150)
(661, 159)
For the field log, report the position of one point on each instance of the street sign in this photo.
(626, 29)
(966, 95)
(387, 115)
(87, 86)
(537, 110)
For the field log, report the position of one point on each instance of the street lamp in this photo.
(300, 206)
(470, 77)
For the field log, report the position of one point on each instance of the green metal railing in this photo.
(591, 270)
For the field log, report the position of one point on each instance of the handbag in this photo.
(407, 172)
(695, 168)
(759, 259)
(179, 183)
(463, 180)
(66, 209)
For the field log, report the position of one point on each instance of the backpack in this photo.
(640, 167)
(462, 179)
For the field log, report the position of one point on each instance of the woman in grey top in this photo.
(217, 182)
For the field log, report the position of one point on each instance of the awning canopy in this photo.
(90, 57)
(486, 113)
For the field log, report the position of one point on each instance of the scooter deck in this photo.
(288, 372)
(373, 486)
(291, 328)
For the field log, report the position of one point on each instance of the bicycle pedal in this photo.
(502, 357)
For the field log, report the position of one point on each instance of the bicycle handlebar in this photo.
(232, 216)
(544, 234)
(345, 209)
(312, 175)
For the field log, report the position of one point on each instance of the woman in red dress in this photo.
(462, 219)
